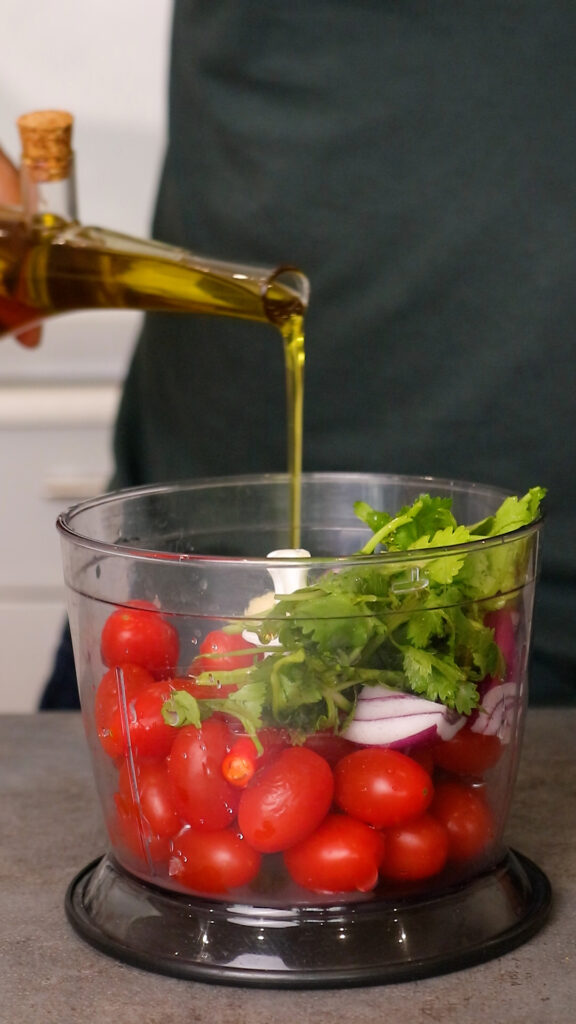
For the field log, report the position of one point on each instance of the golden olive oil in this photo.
(52, 265)
(293, 335)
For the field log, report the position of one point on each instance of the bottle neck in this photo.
(43, 196)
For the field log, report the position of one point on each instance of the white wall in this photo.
(106, 61)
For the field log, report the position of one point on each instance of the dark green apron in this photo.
(416, 158)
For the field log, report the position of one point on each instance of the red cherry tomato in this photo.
(381, 787)
(109, 721)
(148, 792)
(139, 634)
(286, 800)
(464, 812)
(212, 862)
(423, 755)
(272, 741)
(417, 849)
(134, 842)
(332, 748)
(150, 735)
(342, 855)
(201, 793)
(217, 653)
(468, 753)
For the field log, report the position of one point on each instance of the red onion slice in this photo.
(387, 718)
(498, 712)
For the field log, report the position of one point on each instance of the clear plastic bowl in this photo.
(152, 572)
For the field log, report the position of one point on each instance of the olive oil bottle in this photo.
(50, 264)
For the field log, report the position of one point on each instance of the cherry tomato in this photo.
(201, 793)
(423, 754)
(216, 653)
(342, 855)
(133, 839)
(150, 735)
(381, 787)
(212, 862)
(417, 849)
(139, 634)
(272, 741)
(468, 753)
(464, 812)
(107, 703)
(331, 747)
(149, 793)
(286, 800)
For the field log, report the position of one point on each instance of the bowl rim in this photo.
(64, 521)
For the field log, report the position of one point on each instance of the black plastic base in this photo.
(308, 947)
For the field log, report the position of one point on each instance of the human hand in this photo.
(10, 194)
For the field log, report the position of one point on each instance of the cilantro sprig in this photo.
(416, 624)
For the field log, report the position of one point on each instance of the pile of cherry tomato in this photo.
(202, 810)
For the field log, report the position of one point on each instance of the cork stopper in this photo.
(46, 137)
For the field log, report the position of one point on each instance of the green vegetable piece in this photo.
(415, 624)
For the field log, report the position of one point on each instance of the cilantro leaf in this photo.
(439, 678)
(375, 520)
(513, 513)
(421, 519)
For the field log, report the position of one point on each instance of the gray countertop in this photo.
(50, 828)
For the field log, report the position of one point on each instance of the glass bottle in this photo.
(50, 263)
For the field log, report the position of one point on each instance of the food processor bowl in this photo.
(305, 758)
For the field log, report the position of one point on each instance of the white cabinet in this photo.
(57, 409)
(54, 450)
